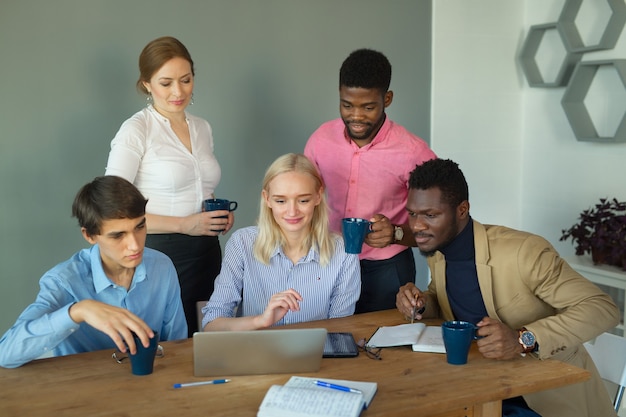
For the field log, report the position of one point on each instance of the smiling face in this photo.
(363, 111)
(292, 198)
(434, 222)
(121, 243)
(171, 87)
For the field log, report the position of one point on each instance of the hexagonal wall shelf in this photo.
(529, 63)
(573, 101)
(611, 32)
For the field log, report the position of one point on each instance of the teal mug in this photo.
(354, 231)
(213, 204)
(457, 339)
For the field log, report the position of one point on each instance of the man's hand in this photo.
(382, 232)
(118, 323)
(498, 341)
(410, 300)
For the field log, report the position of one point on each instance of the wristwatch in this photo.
(398, 234)
(527, 340)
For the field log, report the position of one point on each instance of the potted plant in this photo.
(601, 232)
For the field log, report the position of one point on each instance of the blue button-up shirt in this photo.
(327, 291)
(45, 325)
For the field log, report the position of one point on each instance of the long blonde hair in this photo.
(270, 234)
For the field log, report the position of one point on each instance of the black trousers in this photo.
(380, 281)
(198, 260)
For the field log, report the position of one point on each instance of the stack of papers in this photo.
(301, 397)
(422, 338)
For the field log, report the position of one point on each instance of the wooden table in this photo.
(409, 383)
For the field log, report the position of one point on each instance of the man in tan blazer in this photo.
(513, 285)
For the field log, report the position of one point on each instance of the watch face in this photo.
(399, 233)
(527, 338)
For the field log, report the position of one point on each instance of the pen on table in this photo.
(337, 387)
(193, 384)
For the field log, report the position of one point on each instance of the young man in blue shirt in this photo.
(103, 294)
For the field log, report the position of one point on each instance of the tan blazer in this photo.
(525, 283)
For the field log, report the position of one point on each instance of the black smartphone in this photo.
(340, 345)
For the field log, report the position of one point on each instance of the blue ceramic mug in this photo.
(354, 230)
(457, 338)
(142, 362)
(213, 204)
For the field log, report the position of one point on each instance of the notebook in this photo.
(301, 397)
(257, 352)
(422, 338)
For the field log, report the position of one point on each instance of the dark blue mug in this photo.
(354, 230)
(213, 204)
(457, 338)
(142, 362)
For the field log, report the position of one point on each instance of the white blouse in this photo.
(147, 152)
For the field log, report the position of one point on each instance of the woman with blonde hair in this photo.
(289, 268)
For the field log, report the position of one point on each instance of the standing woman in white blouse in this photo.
(168, 154)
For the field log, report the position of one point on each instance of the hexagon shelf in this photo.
(573, 101)
(610, 34)
(529, 63)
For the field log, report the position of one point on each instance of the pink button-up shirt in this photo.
(361, 182)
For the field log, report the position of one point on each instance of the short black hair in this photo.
(366, 68)
(443, 174)
(107, 198)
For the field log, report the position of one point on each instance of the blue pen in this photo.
(193, 384)
(337, 387)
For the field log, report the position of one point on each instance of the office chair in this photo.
(200, 304)
(608, 352)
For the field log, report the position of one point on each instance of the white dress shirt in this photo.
(147, 152)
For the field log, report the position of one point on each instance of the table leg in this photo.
(490, 409)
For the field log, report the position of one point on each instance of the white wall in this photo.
(524, 166)
(477, 101)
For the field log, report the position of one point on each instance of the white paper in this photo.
(431, 340)
(400, 335)
(367, 388)
(286, 401)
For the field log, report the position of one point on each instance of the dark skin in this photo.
(434, 224)
(363, 112)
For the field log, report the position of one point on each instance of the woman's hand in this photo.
(278, 306)
(207, 223)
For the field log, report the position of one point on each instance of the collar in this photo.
(159, 116)
(462, 247)
(311, 256)
(101, 281)
(380, 136)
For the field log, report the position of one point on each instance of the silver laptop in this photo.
(257, 352)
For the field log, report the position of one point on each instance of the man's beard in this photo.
(453, 234)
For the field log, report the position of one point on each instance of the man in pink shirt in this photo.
(365, 160)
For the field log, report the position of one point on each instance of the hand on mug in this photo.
(497, 340)
(207, 223)
(382, 232)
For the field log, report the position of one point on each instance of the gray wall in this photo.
(266, 77)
